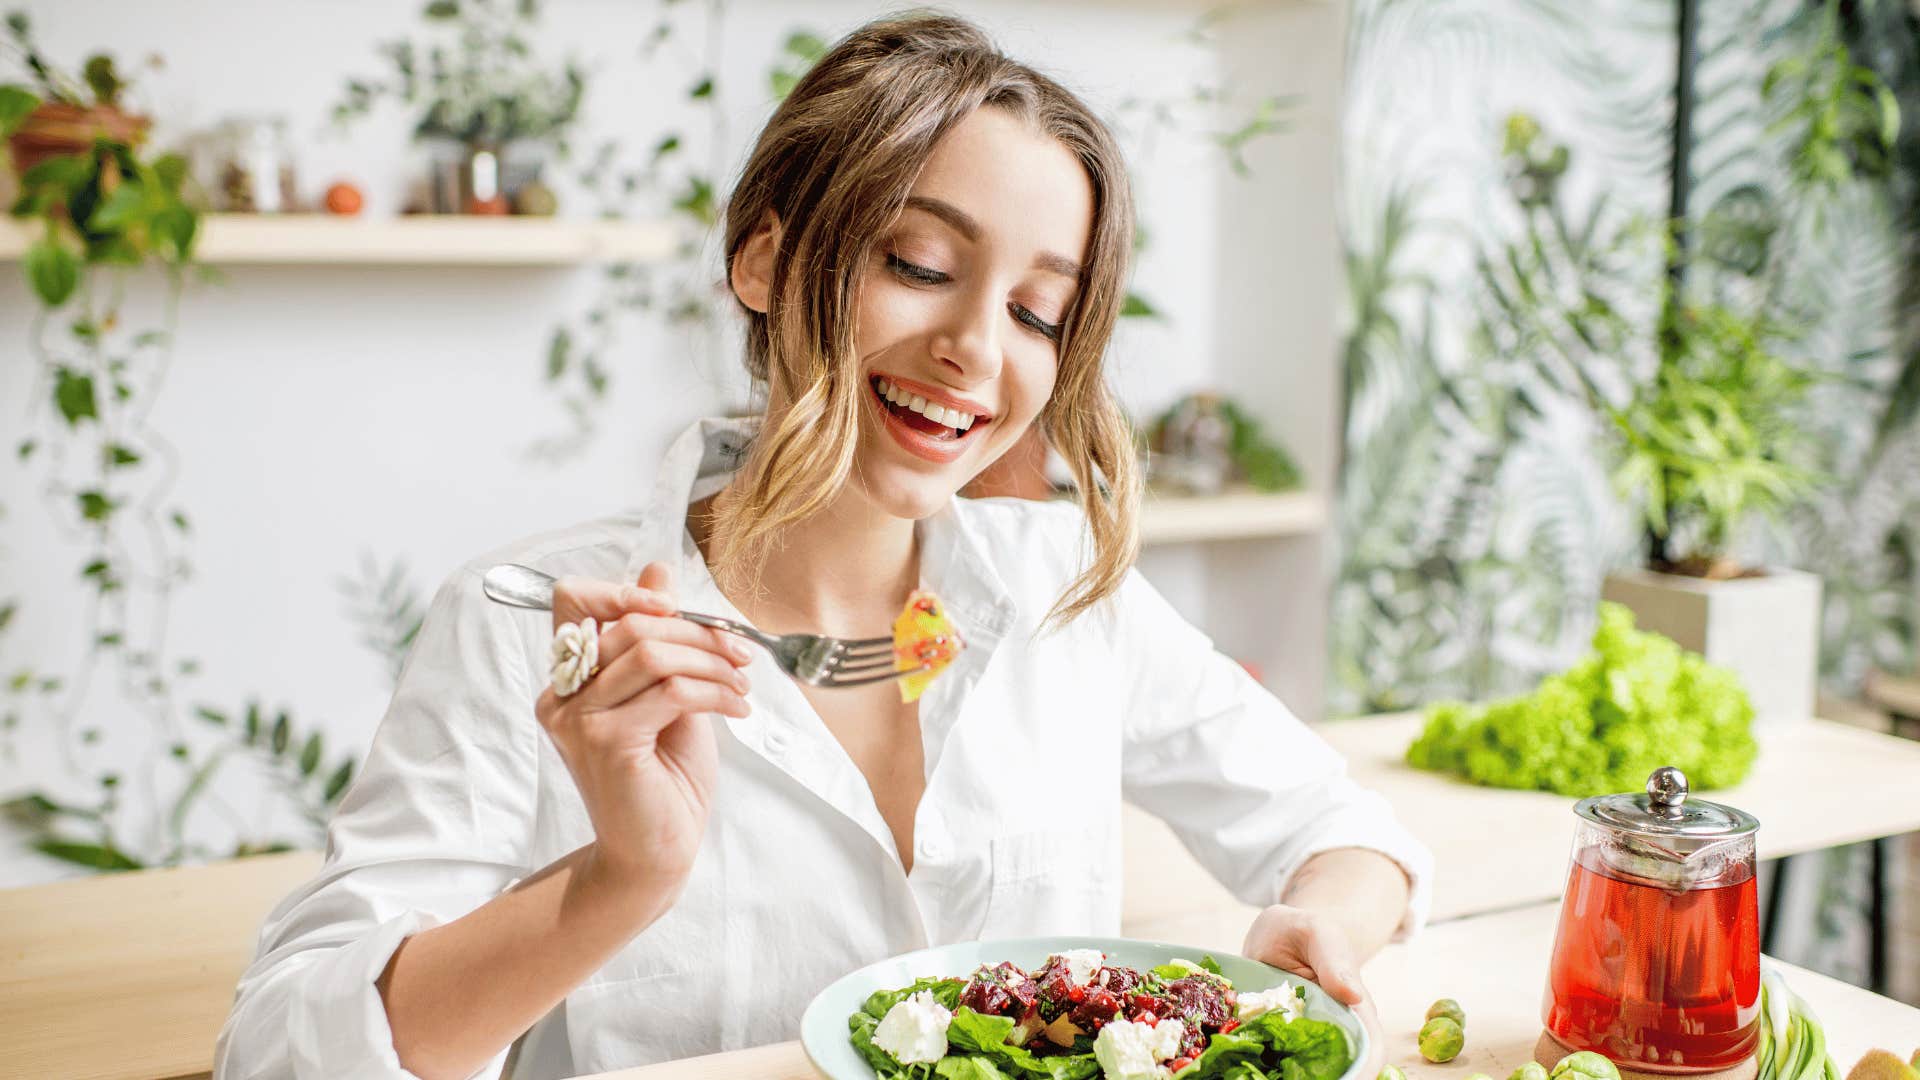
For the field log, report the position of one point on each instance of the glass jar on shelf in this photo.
(257, 174)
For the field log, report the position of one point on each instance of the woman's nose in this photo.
(969, 342)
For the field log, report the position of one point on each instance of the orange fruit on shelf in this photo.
(344, 198)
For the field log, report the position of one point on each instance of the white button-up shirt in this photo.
(1031, 744)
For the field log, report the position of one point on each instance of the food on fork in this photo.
(923, 638)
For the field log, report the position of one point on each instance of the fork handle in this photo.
(525, 587)
(731, 627)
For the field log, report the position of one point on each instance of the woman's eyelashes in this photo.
(1050, 331)
(915, 274)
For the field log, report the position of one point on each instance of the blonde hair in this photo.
(834, 165)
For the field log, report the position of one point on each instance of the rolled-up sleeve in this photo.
(1249, 788)
(436, 823)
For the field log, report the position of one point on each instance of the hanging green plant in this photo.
(101, 208)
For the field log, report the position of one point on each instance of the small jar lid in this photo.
(1665, 810)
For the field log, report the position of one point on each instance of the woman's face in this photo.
(960, 309)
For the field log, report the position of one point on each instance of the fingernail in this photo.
(738, 651)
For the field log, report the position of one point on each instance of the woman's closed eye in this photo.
(915, 274)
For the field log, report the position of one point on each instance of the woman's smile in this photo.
(927, 423)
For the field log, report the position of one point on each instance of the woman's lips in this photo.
(928, 447)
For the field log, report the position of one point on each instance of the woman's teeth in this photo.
(939, 414)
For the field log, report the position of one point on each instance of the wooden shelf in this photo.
(1236, 515)
(1898, 694)
(414, 240)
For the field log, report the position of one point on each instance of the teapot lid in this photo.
(1665, 810)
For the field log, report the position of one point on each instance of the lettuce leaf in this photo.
(1311, 1049)
(1271, 1047)
(945, 991)
(968, 1068)
(1225, 1052)
(975, 1033)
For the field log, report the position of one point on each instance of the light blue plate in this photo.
(823, 1028)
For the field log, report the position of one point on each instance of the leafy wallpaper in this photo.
(1505, 201)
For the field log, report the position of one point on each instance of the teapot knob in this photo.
(1667, 791)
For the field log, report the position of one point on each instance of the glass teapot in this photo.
(1656, 963)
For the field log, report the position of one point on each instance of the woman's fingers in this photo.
(683, 695)
(576, 598)
(1332, 960)
(1376, 1039)
(657, 577)
(617, 637)
(651, 661)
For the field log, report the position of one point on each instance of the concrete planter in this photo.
(1765, 628)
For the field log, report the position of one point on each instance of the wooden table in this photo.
(1494, 965)
(130, 975)
(1815, 785)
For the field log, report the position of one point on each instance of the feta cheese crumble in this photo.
(1282, 999)
(1127, 1050)
(1082, 963)
(914, 1030)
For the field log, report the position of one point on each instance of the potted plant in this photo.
(1706, 445)
(58, 115)
(81, 175)
(478, 87)
(1206, 442)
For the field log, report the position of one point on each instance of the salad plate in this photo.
(841, 1028)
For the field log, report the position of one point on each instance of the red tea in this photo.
(1658, 980)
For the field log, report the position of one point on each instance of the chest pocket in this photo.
(1054, 881)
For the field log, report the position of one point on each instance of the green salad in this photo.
(1079, 1018)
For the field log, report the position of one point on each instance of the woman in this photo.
(672, 858)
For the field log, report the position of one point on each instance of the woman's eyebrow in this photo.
(964, 224)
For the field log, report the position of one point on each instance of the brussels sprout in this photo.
(1585, 1065)
(1441, 1040)
(1478, 1076)
(1532, 1070)
(1392, 1072)
(1450, 1009)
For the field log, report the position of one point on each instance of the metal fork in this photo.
(813, 659)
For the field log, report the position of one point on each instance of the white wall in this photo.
(324, 413)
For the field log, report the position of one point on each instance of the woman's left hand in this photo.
(1315, 947)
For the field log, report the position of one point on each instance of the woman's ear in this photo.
(752, 272)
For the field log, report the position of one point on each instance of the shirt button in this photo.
(931, 848)
(776, 740)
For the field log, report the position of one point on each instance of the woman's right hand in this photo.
(637, 737)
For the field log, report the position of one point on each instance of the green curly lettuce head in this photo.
(1636, 702)
(1438, 747)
